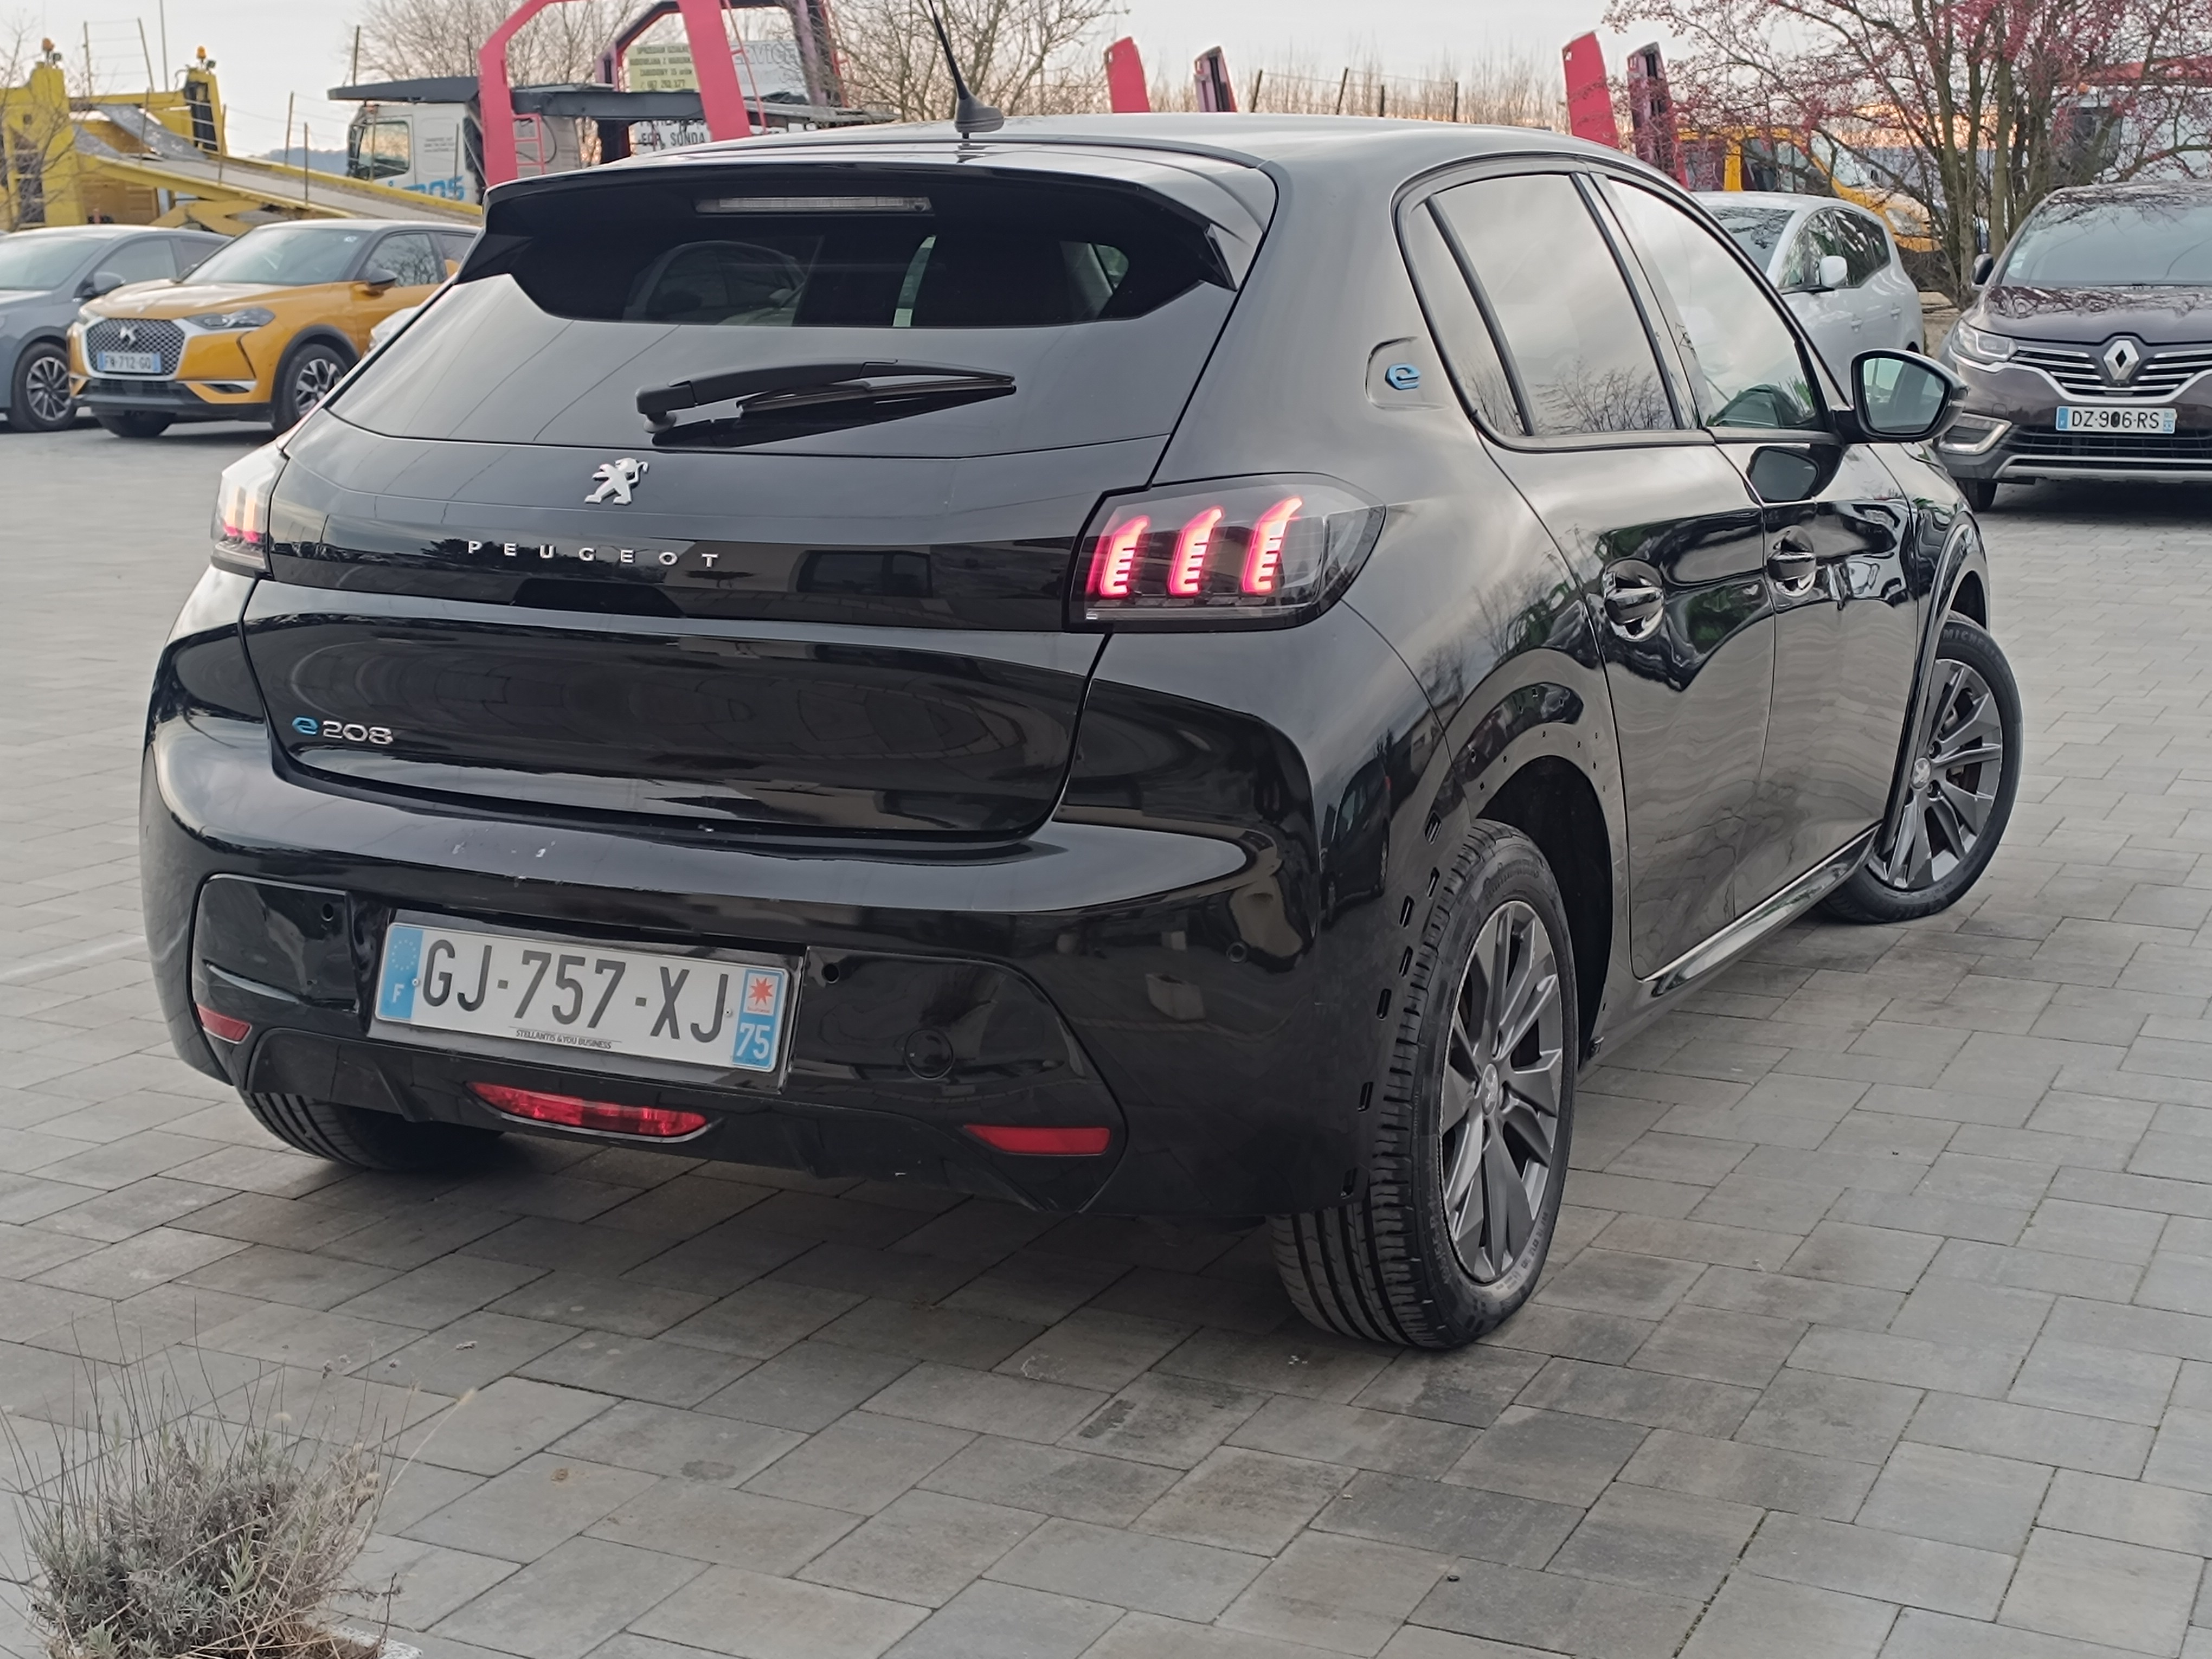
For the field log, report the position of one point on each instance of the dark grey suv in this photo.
(2087, 353)
(45, 276)
(1142, 665)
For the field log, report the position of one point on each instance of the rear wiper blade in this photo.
(760, 391)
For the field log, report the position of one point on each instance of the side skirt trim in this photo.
(1786, 906)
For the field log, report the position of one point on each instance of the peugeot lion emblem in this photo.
(616, 479)
(2121, 360)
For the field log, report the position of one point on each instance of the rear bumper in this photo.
(1097, 974)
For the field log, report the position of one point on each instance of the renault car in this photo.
(261, 331)
(2087, 351)
(1144, 666)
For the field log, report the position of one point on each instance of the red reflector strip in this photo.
(223, 1025)
(1064, 1143)
(571, 1113)
(1114, 569)
(1186, 569)
(1263, 554)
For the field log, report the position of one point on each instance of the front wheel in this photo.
(1981, 493)
(38, 395)
(1958, 791)
(306, 378)
(1472, 1129)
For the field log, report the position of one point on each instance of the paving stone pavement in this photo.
(1880, 1324)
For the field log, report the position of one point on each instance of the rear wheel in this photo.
(307, 377)
(367, 1140)
(38, 393)
(134, 423)
(1981, 493)
(1959, 792)
(1473, 1128)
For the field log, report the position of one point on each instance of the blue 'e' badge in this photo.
(1402, 377)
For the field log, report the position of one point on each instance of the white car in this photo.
(1837, 266)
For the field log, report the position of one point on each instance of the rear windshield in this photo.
(2148, 238)
(774, 253)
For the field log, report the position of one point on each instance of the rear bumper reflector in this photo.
(1061, 1143)
(604, 1116)
(226, 1026)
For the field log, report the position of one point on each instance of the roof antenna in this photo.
(969, 117)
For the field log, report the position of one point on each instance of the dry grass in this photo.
(162, 1533)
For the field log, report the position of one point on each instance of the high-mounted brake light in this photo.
(660, 1123)
(241, 512)
(1244, 553)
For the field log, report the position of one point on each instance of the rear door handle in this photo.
(1633, 607)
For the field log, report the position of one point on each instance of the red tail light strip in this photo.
(1186, 569)
(1043, 1142)
(226, 1026)
(658, 1122)
(1263, 554)
(1114, 572)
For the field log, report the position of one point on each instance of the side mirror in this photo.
(1901, 397)
(376, 279)
(1835, 270)
(1983, 265)
(100, 282)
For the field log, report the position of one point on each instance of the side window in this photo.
(190, 254)
(1462, 336)
(411, 258)
(1742, 356)
(142, 259)
(1570, 332)
(1803, 265)
(453, 245)
(1864, 248)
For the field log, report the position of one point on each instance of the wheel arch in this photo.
(1555, 805)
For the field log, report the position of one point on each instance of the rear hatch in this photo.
(819, 588)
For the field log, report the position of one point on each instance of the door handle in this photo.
(1793, 562)
(1633, 607)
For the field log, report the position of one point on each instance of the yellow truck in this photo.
(162, 158)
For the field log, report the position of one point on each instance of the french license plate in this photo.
(128, 362)
(715, 1011)
(2105, 418)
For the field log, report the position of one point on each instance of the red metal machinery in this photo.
(1589, 95)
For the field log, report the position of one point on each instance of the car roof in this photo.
(1382, 149)
(1788, 200)
(106, 233)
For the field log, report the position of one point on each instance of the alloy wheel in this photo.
(1502, 1082)
(1952, 786)
(45, 389)
(313, 381)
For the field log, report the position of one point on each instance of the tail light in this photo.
(1040, 1141)
(1244, 553)
(228, 1027)
(661, 1122)
(241, 512)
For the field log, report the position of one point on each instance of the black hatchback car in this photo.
(1159, 665)
(2088, 352)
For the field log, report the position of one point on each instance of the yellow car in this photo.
(261, 331)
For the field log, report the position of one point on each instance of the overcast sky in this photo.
(267, 49)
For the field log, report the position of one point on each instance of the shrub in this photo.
(161, 1532)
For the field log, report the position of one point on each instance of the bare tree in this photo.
(401, 39)
(1498, 89)
(1027, 56)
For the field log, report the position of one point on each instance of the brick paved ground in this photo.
(1882, 1322)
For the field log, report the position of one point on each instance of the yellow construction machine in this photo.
(160, 158)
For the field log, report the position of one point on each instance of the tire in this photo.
(38, 392)
(1981, 493)
(1392, 1267)
(305, 379)
(367, 1140)
(135, 423)
(1943, 851)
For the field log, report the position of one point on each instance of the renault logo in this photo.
(2121, 359)
(616, 479)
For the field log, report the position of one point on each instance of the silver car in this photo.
(45, 276)
(1838, 268)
